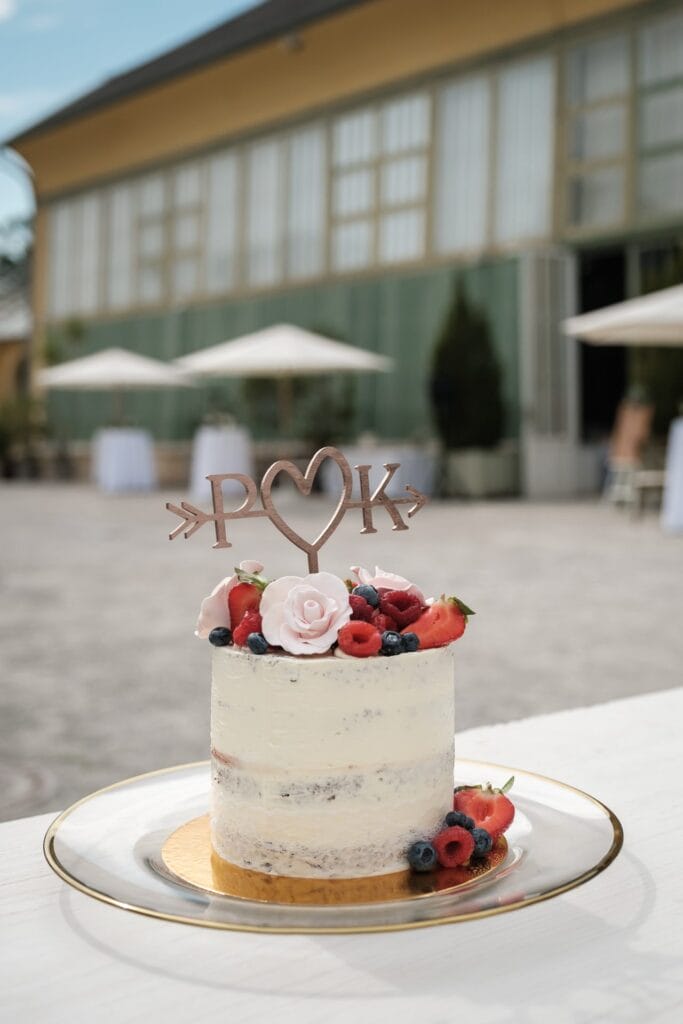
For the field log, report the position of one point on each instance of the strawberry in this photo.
(489, 808)
(400, 606)
(245, 597)
(250, 623)
(441, 623)
(360, 639)
(360, 609)
(453, 846)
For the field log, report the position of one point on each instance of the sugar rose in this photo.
(214, 610)
(303, 614)
(386, 581)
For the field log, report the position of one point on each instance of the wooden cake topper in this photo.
(192, 517)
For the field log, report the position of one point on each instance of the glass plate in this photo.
(109, 845)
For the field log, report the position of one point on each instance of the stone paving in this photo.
(102, 678)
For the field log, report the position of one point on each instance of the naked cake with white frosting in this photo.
(332, 721)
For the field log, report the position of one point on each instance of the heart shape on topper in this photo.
(304, 484)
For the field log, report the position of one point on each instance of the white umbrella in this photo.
(655, 319)
(116, 370)
(283, 351)
(111, 369)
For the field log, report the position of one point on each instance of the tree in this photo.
(465, 383)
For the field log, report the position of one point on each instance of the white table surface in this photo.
(672, 501)
(219, 450)
(123, 460)
(609, 951)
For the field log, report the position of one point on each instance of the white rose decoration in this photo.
(214, 610)
(387, 580)
(303, 614)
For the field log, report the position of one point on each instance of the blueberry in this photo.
(392, 643)
(257, 643)
(411, 642)
(221, 636)
(422, 856)
(482, 842)
(456, 818)
(368, 592)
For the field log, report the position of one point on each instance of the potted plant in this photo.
(468, 408)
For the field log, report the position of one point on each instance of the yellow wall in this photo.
(352, 52)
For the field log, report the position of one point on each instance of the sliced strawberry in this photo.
(251, 623)
(360, 639)
(442, 623)
(489, 808)
(245, 597)
(400, 606)
(453, 846)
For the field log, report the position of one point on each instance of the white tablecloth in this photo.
(417, 468)
(123, 460)
(219, 450)
(609, 952)
(672, 504)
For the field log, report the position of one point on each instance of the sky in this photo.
(52, 51)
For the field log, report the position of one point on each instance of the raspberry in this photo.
(360, 609)
(453, 846)
(400, 606)
(359, 639)
(250, 623)
(382, 622)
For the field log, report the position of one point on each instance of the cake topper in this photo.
(193, 518)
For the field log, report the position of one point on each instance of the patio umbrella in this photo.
(655, 319)
(116, 370)
(282, 351)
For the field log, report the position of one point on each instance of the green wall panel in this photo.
(397, 315)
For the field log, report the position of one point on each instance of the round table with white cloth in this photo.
(219, 450)
(672, 504)
(123, 460)
(417, 468)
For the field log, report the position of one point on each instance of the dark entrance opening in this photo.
(603, 368)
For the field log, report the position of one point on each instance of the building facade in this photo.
(343, 168)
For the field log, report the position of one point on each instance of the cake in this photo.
(332, 721)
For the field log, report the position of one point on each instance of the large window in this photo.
(496, 158)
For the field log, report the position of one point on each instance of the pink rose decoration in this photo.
(387, 580)
(214, 610)
(303, 614)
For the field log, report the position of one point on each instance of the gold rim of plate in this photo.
(585, 876)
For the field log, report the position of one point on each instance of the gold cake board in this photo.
(189, 857)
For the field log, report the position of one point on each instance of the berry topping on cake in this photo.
(490, 808)
(245, 597)
(382, 622)
(422, 856)
(257, 643)
(221, 636)
(392, 643)
(453, 846)
(369, 593)
(360, 608)
(482, 842)
(402, 606)
(359, 639)
(250, 623)
(456, 818)
(411, 642)
(441, 623)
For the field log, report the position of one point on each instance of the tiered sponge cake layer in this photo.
(329, 767)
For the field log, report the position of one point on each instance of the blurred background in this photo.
(436, 187)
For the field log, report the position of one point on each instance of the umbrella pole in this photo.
(284, 402)
(117, 407)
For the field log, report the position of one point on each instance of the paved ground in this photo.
(102, 678)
